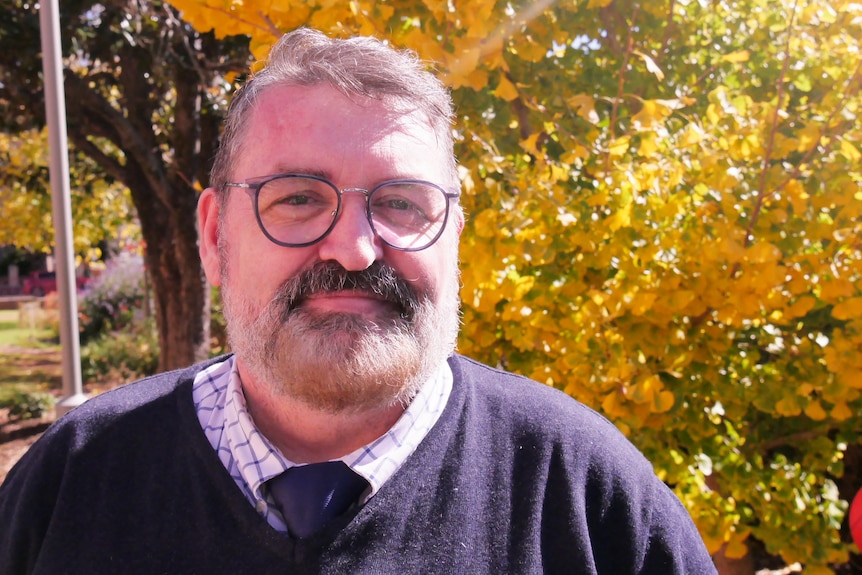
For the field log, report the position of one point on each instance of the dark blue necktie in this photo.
(310, 496)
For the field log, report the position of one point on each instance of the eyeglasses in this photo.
(299, 210)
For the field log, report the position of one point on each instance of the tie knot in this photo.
(310, 496)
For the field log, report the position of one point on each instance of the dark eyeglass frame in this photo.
(253, 186)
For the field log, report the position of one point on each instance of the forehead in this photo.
(319, 129)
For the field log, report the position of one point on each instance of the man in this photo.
(332, 228)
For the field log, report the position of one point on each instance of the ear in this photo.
(208, 224)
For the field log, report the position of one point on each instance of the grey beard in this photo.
(343, 362)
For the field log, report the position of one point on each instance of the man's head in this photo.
(357, 67)
(334, 222)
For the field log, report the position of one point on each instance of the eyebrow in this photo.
(285, 169)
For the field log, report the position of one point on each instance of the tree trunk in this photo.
(181, 294)
(144, 100)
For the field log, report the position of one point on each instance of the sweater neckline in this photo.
(405, 481)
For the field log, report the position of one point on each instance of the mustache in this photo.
(379, 279)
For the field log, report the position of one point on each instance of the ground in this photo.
(29, 365)
(16, 438)
(23, 363)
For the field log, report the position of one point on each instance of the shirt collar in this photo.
(255, 459)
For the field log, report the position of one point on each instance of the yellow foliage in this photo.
(848, 309)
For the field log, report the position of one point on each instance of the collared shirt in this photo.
(252, 460)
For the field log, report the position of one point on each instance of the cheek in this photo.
(432, 271)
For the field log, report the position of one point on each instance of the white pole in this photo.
(55, 108)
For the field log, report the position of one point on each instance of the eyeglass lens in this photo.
(300, 210)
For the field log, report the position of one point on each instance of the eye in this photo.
(398, 204)
(296, 200)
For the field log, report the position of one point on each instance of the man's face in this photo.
(347, 323)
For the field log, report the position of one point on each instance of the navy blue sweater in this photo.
(515, 478)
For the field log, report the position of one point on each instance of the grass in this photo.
(27, 363)
(12, 334)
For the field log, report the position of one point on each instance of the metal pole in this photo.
(55, 107)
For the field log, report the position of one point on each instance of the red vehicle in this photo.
(42, 283)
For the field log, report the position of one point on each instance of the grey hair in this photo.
(359, 66)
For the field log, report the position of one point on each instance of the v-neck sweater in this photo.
(515, 477)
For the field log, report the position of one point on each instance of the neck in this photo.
(305, 434)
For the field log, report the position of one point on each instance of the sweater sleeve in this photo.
(602, 507)
(27, 498)
(637, 523)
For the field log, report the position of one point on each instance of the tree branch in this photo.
(612, 127)
(761, 196)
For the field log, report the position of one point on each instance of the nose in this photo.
(352, 243)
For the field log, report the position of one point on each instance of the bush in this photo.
(113, 299)
(28, 405)
(218, 326)
(121, 356)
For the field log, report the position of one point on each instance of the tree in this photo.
(144, 97)
(664, 206)
(102, 208)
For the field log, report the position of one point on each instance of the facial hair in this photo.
(343, 362)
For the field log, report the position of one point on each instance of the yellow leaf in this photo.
(506, 90)
(788, 406)
(713, 115)
(848, 309)
(486, 223)
(619, 146)
(849, 151)
(736, 548)
(736, 57)
(815, 411)
(663, 401)
(642, 302)
(531, 50)
(523, 285)
(646, 390)
(648, 145)
(692, 135)
(586, 107)
(841, 412)
(832, 290)
(762, 253)
(612, 405)
(808, 136)
(622, 218)
(679, 299)
(650, 114)
(651, 66)
(529, 144)
(800, 307)
(732, 250)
